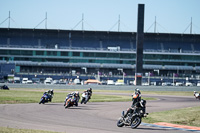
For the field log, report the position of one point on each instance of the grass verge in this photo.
(187, 116)
(33, 96)
(14, 130)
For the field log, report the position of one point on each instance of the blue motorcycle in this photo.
(45, 98)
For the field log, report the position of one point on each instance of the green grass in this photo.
(14, 130)
(186, 116)
(33, 96)
(113, 98)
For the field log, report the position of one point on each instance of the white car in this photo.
(179, 84)
(166, 84)
(24, 80)
(29, 82)
(110, 82)
(188, 84)
(198, 84)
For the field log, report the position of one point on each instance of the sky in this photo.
(172, 16)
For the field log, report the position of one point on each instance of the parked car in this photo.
(198, 83)
(24, 80)
(48, 81)
(29, 82)
(166, 84)
(110, 82)
(188, 84)
(179, 84)
(119, 82)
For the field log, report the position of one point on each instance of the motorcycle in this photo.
(4, 87)
(46, 98)
(84, 98)
(197, 95)
(70, 102)
(134, 117)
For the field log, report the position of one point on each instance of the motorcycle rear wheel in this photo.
(136, 122)
(82, 100)
(120, 122)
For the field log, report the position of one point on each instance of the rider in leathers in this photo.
(49, 94)
(75, 96)
(136, 98)
(89, 91)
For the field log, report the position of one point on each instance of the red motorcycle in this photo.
(70, 102)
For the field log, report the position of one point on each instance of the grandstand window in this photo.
(187, 57)
(128, 56)
(3, 52)
(76, 53)
(78, 60)
(14, 52)
(196, 57)
(51, 53)
(113, 55)
(100, 55)
(175, 57)
(26, 52)
(39, 52)
(87, 54)
(91, 61)
(64, 53)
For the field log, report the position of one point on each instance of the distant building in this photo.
(66, 52)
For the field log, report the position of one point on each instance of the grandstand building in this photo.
(70, 52)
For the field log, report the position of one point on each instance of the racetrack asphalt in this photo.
(93, 117)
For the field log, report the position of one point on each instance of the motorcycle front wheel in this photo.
(136, 122)
(120, 122)
(67, 106)
(42, 101)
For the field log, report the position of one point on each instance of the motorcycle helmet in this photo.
(137, 91)
(76, 93)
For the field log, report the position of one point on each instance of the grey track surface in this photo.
(90, 118)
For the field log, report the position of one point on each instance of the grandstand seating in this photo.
(97, 40)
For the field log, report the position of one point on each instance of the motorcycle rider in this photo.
(76, 98)
(49, 94)
(196, 94)
(136, 98)
(74, 95)
(89, 91)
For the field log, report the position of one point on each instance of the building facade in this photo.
(91, 52)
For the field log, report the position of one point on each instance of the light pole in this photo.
(173, 79)
(149, 78)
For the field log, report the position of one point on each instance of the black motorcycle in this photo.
(134, 116)
(4, 87)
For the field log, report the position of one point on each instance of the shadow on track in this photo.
(48, 104)
(73, 108)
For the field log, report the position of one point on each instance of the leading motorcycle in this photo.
(134, 117)
(46, 98)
